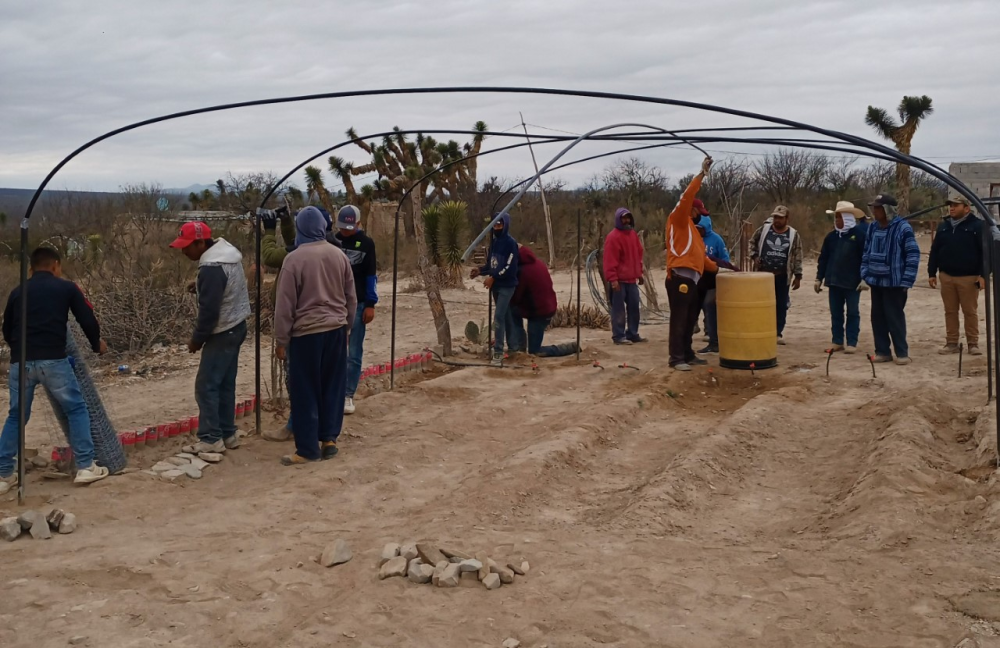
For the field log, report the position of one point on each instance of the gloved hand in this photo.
(818, 286)
(282, 212)
(862, 287)
(268, 219)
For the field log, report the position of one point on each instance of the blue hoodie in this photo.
(502, 261)
(715, 247)
(891, 255)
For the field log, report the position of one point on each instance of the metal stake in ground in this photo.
(829, 354)
(961, 347)
(871, 361)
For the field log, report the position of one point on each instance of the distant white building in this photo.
(982, 177)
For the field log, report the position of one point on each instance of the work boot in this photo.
(638, 340)
(882, 358)
(903, 361)
(295, 460)
(497, 360)
(711, 348)
(232, 442)
(781, 340)
(281, 434)
(623, 341)
(851, 349)
(681, 366)
(949, 348)
(349, 405)
(329, 449)
(837, 347)
(974, 350)
(91, 474)
(201, 446)
(567, 348)
(697, 361)
(8, 482)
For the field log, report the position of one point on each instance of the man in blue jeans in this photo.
(623, 271)
(501, 280)
(221, 328)
(360, 251)
(50, 301)
(535, 300)
(840, 267)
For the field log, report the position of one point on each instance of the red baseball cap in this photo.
(700, 206)
(191, 232)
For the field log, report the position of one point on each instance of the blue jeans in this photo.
(355, 351)
(533, 340)
(889, 321)
(502, 319)
(781, 300)
(851, 298)
(57, 377)
(625, 312)
(215, 385)
(319, 378)
(711, 318)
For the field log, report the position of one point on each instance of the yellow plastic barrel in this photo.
(748, 327)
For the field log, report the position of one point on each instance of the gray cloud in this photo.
(74, 70)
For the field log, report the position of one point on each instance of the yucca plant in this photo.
(445, 232)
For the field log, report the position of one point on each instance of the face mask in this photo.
(849, 222)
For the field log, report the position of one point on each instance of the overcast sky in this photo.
(72, 70)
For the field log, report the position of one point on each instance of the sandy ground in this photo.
(656, 509)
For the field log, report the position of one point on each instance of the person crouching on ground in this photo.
(840, 268)
(716, 250)
(623, 271)
(51, 300)
(501, 280)
(316, 305)
(957, 252)
(889, 265)
(686, 263)
(220, 330)
(776, 248)
(535, 300)
(360, 251)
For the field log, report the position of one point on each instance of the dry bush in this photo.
(590, 317)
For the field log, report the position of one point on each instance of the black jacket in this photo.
(360, 251)
(958, 250)
(50, 301)
(840, 258)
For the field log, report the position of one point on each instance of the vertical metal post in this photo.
(256, 335)
(579, 259)
(987, 271)
(395, 284)
(995, 262)
(489, 302)
(22, 375)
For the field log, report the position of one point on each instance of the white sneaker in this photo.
(7, 483)
(90, 475)
(348, 405)
(232, 442)
(781, 340)
(201, 446)
(683, 366)
(851, 349)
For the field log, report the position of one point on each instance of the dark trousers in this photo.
(889, 321)
(781, 300)
(711, 318)
(625, 312)
(531, 341)
(685, 304)
(215, 385)
(841, 298)
(318, 364)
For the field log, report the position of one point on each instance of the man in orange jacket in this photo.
(686, 263)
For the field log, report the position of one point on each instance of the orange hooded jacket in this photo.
(685, 247)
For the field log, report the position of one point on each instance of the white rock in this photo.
(68, 524)
(77, 640)
(393, 567)
(511, 642)
(515, 568)
(210, 457)
(525, 567)
(9, 529)
(492, 582)
(336, 554)
(419, 573)
(191, 471)
(163, 466)
(506, 575)
(389, 551)
(199, 464)
(470, 565)
(177, 461)
(408, 551)
(450, 576)
(171, 475)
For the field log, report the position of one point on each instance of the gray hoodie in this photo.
(223, 299)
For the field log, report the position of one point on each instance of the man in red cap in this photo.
(223, 308)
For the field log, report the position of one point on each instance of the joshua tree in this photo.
(315, 184)
(911, 111)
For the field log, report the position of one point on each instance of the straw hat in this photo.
(844, 207)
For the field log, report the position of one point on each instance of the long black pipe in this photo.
(22, 375)
(910, 160)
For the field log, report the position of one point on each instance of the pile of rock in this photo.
(184, 464)
(39, 525)
(426, 563)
